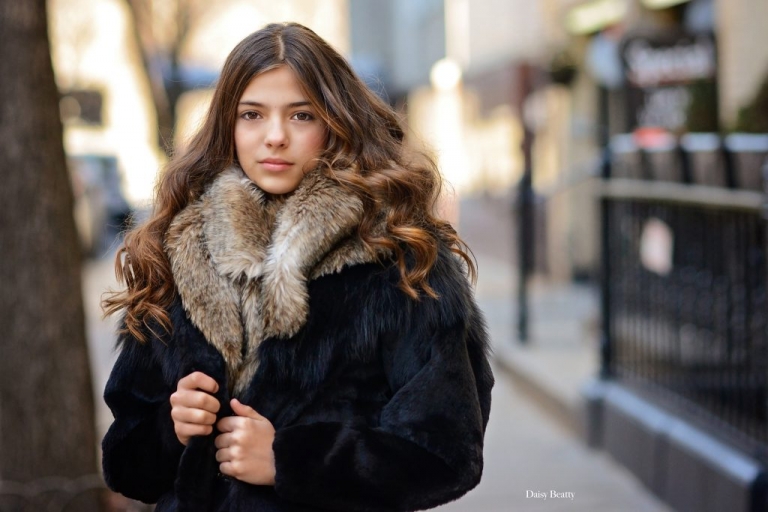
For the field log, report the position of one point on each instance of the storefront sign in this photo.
(671, 83)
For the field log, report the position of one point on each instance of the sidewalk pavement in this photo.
(562, 352)
(530, 450)
(532, 445)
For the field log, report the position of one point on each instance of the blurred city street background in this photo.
(605, 161)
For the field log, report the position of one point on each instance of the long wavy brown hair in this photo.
(364, 152)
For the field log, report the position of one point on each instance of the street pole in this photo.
(525, 208)
(525, 246)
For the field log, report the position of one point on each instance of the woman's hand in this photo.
(193, 409)
(245, 446)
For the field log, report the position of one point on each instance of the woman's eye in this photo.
(249, 115)
(303, 116)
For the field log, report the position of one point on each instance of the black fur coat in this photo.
(379, 402)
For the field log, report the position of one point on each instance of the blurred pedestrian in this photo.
(298, 329)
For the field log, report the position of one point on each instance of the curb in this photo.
(564, 411)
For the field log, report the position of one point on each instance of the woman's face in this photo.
(277, 132)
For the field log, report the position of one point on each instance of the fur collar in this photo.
(241, 262)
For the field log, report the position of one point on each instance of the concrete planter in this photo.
(704, 156)
(626, 159)
(747, 154)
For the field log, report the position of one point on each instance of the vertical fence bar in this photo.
(606, 369)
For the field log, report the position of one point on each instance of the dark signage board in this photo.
(671, 82)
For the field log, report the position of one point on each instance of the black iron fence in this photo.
(684, 300)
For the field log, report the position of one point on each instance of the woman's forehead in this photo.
(278, 86)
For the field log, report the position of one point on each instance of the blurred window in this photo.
(82, 107)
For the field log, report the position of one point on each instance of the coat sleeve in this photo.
(427, 448)
(140, 452)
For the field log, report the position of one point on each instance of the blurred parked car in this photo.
(101, 210)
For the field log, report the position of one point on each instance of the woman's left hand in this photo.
(245, 446)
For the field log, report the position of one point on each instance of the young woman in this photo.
(298, 330)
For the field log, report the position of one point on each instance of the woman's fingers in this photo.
(244, 449)
(193, 408)
(190, 429)
(227, 455)
(245, 411)
(231, 423)
(194, 416)
(195, 400)
(184, 431)
(199, 380)
(227, 468)
(223, 441)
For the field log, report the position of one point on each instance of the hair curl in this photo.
(364, 152)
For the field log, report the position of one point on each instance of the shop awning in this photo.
(662, 4)
(595, 15)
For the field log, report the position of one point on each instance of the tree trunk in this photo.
(47, 438)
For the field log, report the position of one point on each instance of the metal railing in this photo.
(684, 301)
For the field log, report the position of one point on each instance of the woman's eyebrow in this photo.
(289, 105)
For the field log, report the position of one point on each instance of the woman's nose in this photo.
(276, 135)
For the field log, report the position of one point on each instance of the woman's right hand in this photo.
(193, 408)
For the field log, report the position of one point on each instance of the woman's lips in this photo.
(275, 164)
